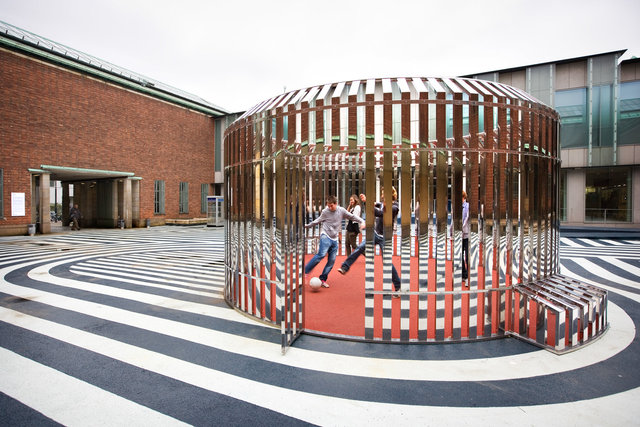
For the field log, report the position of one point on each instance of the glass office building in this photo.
(598, 99)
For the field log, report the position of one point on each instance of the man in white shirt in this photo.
(331, 222)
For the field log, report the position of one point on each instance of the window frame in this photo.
(204, 192)
(628, 113)
(576, 123)
(158, 197)
(184, 197)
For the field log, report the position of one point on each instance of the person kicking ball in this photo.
(331, 222)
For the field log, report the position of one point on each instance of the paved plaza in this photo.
(130, 327)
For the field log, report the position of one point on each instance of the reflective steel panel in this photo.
(418, 143)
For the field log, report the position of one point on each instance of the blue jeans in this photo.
(379, 240)
(326, 245)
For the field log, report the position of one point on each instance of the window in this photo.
(184, 197)
(204, 192)
(608, 194)
(158, 200)
(602, 105)
(572, 107)
(629, 114)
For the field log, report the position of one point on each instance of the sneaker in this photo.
(341, 270)
(324, 284)
(396, 294)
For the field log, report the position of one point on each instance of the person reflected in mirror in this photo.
(74, 216)
(378, 210)
(353, 228)
(465, 237)
(331, 225)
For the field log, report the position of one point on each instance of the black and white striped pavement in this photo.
(118, 327)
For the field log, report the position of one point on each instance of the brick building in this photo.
(124, 147)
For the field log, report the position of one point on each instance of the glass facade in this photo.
(608, 194)
(602, 116)
(629, 113)
(572, 107)
(598, 101)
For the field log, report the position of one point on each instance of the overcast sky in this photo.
(236, 53)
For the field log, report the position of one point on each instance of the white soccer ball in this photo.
(315, 283)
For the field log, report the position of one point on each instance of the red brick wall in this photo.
(53, 116)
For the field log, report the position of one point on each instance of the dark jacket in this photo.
(378, 211)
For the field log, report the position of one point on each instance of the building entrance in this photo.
(105, 198)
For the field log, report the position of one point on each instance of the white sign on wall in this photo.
(17, 204)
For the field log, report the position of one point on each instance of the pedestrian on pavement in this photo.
(75, 215)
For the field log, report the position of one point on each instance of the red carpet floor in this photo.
(339, 309)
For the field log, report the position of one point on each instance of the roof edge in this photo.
(560, 61)
(137, 84)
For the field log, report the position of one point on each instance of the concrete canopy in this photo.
(62, 173)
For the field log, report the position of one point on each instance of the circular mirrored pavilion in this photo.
(431, 139)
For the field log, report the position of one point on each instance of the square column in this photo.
(135, 203)
(107, 203)
(127, 214)
(44, 206)
(575, 196)
(113, 212)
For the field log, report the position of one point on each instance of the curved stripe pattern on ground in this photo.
(132, 324)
